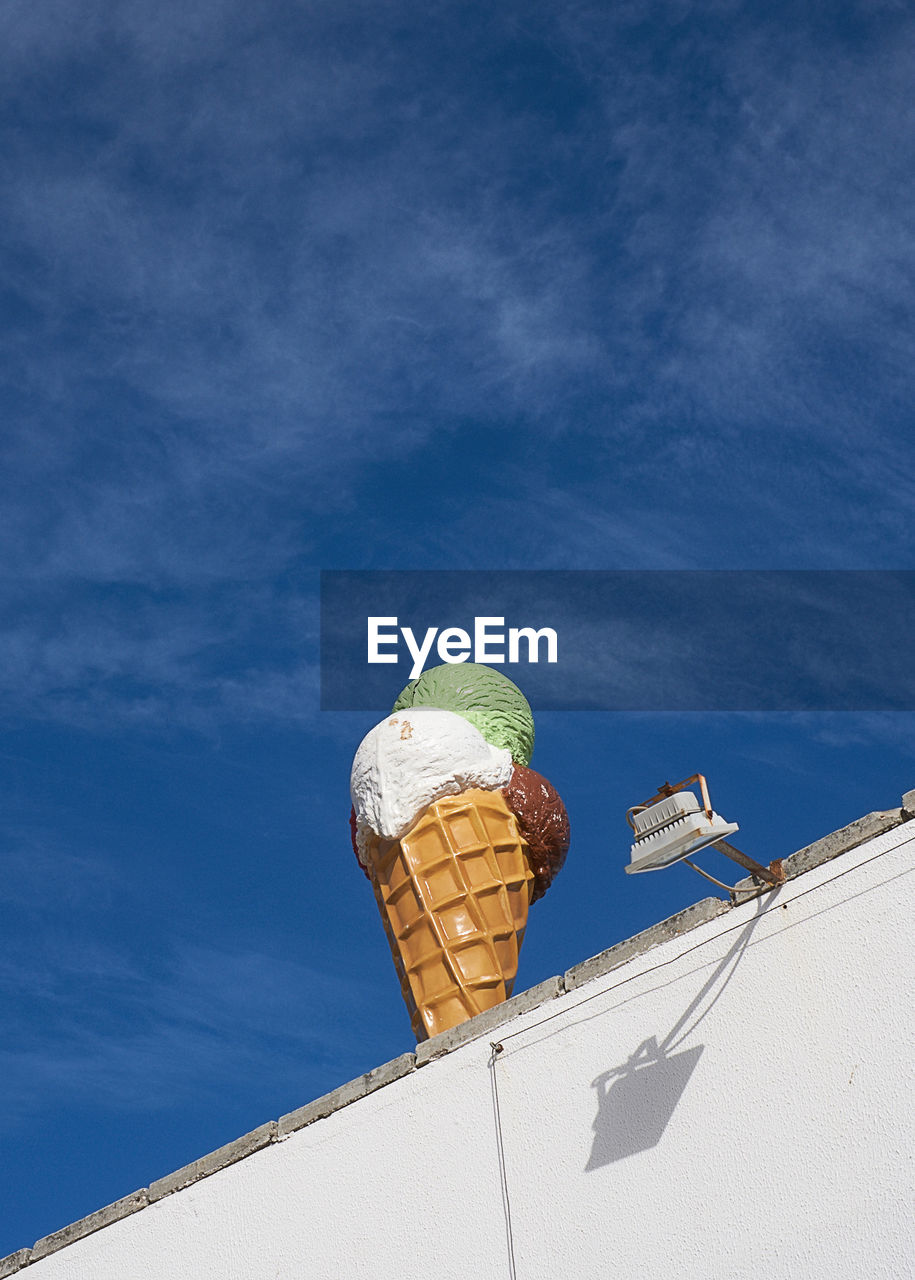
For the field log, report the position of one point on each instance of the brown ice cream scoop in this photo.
(543, 822)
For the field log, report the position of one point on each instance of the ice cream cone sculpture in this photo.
(457, 836)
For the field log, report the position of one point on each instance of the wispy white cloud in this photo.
(255, 261)
(100, 1029)
(179, 661)
(33, 859)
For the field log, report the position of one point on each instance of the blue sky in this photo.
(291, 287)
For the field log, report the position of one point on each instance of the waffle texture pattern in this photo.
(453, 894)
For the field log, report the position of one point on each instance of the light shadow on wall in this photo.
(637, 1100)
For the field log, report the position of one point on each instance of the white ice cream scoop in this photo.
(415, 757)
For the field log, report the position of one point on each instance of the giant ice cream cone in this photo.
(457, 836)
(453, 893)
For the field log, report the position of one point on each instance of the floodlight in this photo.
(673, 824)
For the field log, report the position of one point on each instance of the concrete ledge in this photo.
(837, 842)
(86, 1226)
(622, 952)
(524, 1001)
(841, 841)
(216, 1160)
(347, 1093)
(908, 804)
(14, 1262)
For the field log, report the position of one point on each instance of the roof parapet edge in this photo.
(352, 1091)
(93, 1222)
(14, 1262)
(622, 952)
(838, 842)
(231, 1153)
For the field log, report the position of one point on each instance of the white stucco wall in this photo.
(763, 1126)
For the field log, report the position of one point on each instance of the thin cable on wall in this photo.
(503, 1174)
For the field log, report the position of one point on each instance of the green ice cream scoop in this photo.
(489, 700)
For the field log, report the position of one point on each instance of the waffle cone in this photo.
(453, 895)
